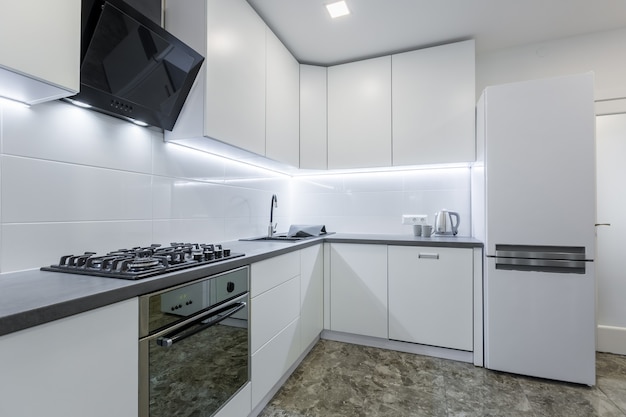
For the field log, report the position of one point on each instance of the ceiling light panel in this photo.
(337, 9)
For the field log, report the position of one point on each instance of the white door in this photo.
(611, 240)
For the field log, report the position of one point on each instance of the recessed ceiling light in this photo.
(338, 9)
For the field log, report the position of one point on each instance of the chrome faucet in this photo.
(271, 229)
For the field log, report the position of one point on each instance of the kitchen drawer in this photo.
(269, 273)
(273, 360)
(272, 311)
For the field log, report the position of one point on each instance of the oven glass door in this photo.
(197, 368)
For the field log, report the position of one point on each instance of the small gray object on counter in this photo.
(303, 230)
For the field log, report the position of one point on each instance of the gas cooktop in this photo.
(143, 262)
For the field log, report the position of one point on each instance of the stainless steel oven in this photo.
(194, 346)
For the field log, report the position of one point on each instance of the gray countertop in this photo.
(33, 297)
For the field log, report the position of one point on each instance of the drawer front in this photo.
(272, 311)
(272, 272)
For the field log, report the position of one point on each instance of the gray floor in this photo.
(338, 379)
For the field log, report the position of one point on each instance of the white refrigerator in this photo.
(534, 201)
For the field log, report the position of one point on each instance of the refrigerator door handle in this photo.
(542, 265)
(569, 253)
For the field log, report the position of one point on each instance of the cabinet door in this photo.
(282, 128)
(272, 311)
(433, 105)
(358, 289)
(273, 360)
(430, 296)
(235, 75)
(83, 365)
(313, 124)
(39, 49)
(272, 272)
(311, 294)
(359, 114)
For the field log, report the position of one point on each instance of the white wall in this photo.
(375, 202)
(604, 53)
(74, 180)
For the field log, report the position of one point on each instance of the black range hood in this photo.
(131, 67)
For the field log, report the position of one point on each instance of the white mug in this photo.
(427, 230)
(417, 229)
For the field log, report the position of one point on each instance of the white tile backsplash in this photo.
(175, 161)
(33, 245)
(36, 190)
(58, 131)
(73, 180)
(175, 198)
(375, 202)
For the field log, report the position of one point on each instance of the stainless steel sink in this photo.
(282, 237)
(279, 237)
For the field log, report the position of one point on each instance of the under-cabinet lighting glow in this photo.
(140, 123)
(15, 103)
(80, 104)
(338, 9)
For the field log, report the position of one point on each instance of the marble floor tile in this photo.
(344, 380)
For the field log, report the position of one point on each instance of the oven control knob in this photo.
(230, 287)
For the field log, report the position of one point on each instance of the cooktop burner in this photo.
(143, 262)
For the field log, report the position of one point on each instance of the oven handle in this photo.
(168, 340)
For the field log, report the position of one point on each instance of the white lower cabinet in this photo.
(431, 296)
(358, 289)
(82, 365)
(273, 360)
(272, 311)
(286, 315)
(239, 405)
(311, 294)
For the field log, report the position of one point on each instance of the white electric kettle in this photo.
(447, 223)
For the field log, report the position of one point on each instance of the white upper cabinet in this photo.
(246, 94)
(39, 49)
(433, 105)
(282, 128)
(359, 114)
(235, 76)
(313, 124)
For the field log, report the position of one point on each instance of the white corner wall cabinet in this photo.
(359, 114)
(71, 367)
(433, 102)
(430, 296)
(411, 108)
(286, 317)
(282, 127)
(313, 117)
(247, 92)
(39, 49)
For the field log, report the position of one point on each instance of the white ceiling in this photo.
(380, 27)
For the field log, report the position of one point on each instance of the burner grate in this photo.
(143, 262)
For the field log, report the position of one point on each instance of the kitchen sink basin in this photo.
(279, 237)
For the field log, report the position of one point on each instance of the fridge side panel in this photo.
(540, 162)
(478, 175)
